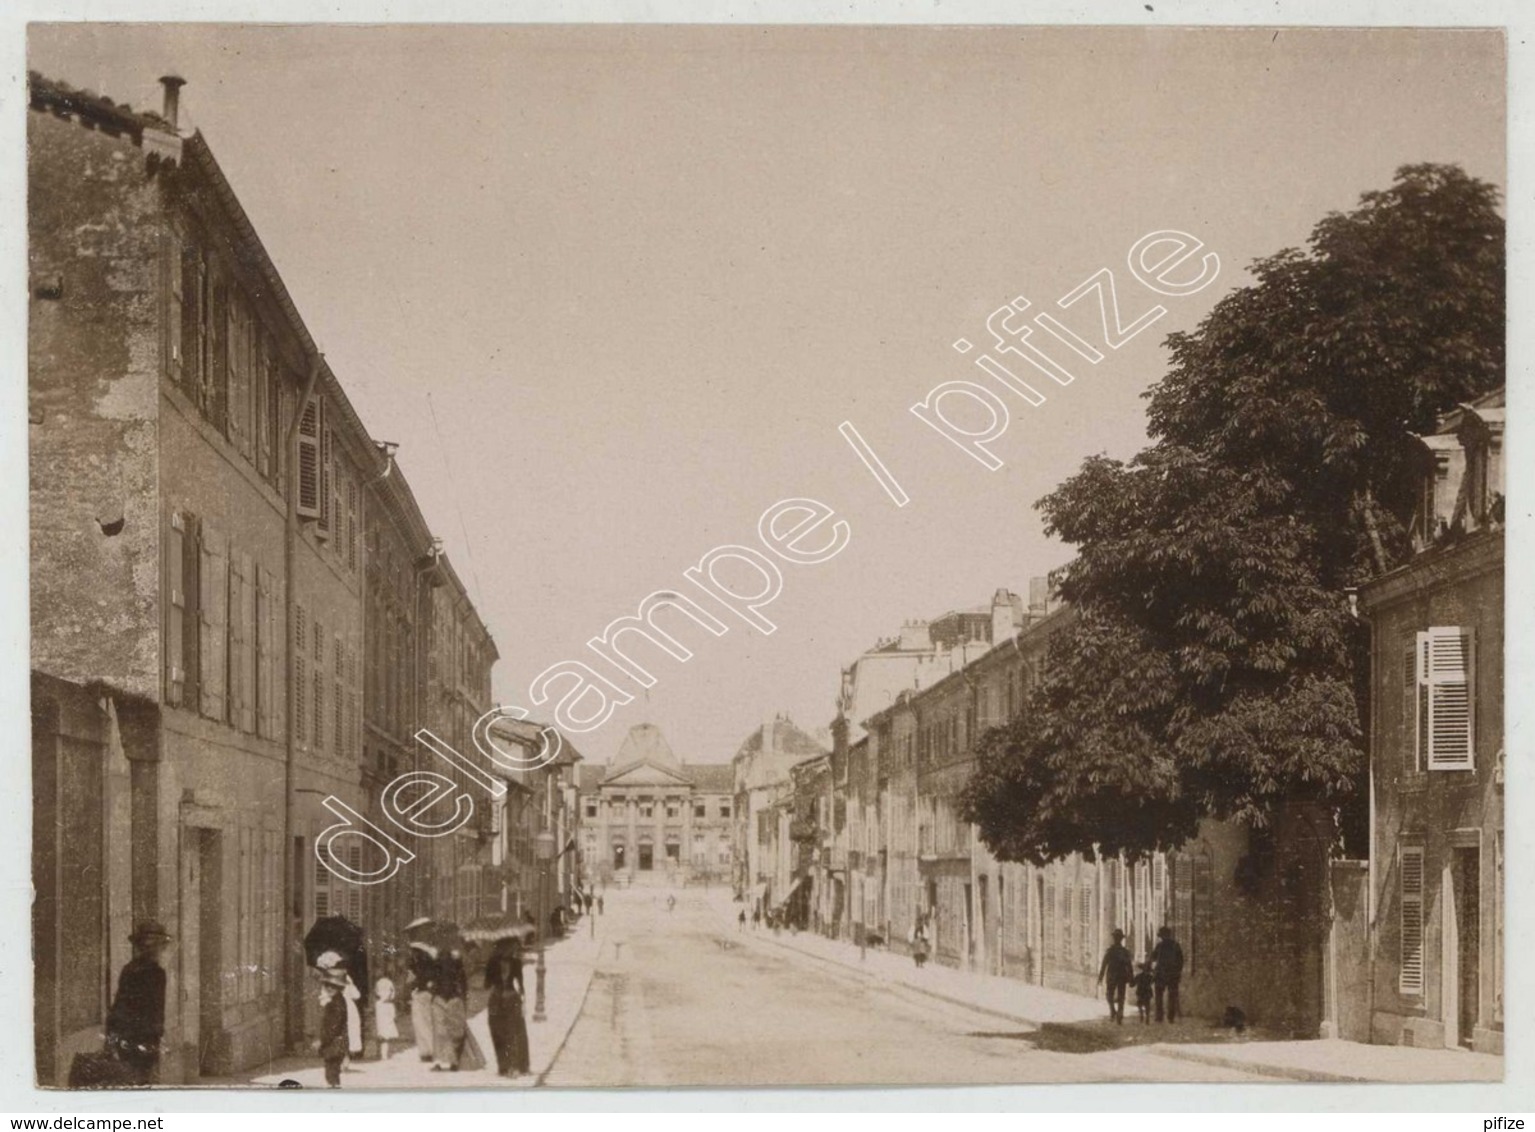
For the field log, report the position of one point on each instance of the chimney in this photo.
(172, 85)
(1003, 623)
(1039, 596)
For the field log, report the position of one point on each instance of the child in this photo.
(1143, 983)
(383, 1015)
(332, 1044)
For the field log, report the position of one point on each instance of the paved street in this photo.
(683, 998)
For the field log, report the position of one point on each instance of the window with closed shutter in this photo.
(309, 486)
(327, 476)
(262, 622)
(193, 298)
(213, 585)
(338, 663)
(248, 662)
(172, 346)
(237, 333)
(300, 648)
(317, 690)
(1411, 864)
(175, 609)
(1445, 667)
(235, 642)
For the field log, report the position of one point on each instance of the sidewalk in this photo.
(1073, 1023)
(568, 974)
(1354, 1062)
(1007, 998)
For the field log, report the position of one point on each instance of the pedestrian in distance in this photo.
(756, 916)
(919, 944)
(599, 905)
(1143, 982)
(1116, 971)
(508, 1029)
(136, 1021)
(332, 1045)
(741, 920)
(1167, 965)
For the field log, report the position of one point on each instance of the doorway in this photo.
(201, 950)
(647, 858)
(1466, 926)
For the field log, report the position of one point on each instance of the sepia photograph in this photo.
(616, 556)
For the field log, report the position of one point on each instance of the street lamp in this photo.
(543, 853)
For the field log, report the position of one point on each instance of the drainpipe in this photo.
(291, 972)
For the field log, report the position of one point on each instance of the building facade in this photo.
(649, 818)
(763, 793)
(1437, 761)
(201, 587)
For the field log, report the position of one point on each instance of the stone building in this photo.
(1437, 755)
(200, 489)
(763, 794)
(649, 818)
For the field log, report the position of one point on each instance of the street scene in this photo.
(581, 557)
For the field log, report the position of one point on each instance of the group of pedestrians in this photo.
(1157, 977)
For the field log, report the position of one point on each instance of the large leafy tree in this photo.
(1212, 667)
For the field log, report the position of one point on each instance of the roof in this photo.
(788, 738)
(705, 778)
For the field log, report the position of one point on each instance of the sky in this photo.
(612, 290)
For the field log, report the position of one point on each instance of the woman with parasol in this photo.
(503, 978)
(422, 974)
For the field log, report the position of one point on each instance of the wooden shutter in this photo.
(193, 298)
(317, 688)
(249, 661)
(338, 665)
(327, 477)
(322, 885)
(239, 386)
(213, 586)
(175, 609)
(1411, 862)
(1414, 704)
(236, 640)
(309, 430)
(351, 523)
(300, 675)
(171, 347)
(218, 351)
(1447, 652)
(263, 652)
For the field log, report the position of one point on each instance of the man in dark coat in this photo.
(333, 1031)
(1167, 963)
(136, 1022)
(1116, 970)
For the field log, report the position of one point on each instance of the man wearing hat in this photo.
(136, 1022)
(1167, 961)
(1117, 969)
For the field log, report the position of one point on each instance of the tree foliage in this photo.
(1212, 667)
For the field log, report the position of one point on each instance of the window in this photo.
(591, 809)
(242, 643)
(672, 809)
(309, 480)
(318, 690)
(176, 573)
(647, 808)
(213, 598)
(1445, 657)
(1410, 861)
(300, 674)
(700, 810)
(724, 809)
